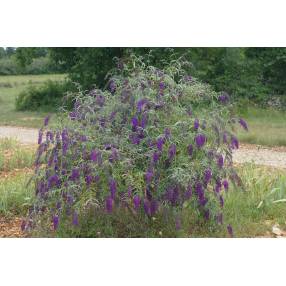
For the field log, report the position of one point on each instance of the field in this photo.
(10, 87)
(266, 126)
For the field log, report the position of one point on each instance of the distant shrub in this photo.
(46, 96)
(135, 157)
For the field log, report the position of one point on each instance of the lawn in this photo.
(266, 126)
(10, 87)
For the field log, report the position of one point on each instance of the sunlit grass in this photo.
(266, 126)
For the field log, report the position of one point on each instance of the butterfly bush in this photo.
(152, 141)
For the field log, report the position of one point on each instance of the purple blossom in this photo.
(88, 180)
(160, 142)
(224, 98)
(225, 184)
(147, 208)
(230, 230)
(135, 123)
(207, 176)
(190, 149)
(172, 195)
(109, 204)
(221, 201)
(188, 193)
(200, 140)
(114, 155)
(243, 124)
(75, 218)
(75, 174)
(112, 188)
(40, 138)
(134, 138)
(162, 86)
(167, 133)
(100, 100)
(218, 186)
(156, 157)
(112, 86)
(53, 181)
(196, 124)
(172, 151)
(207, 214)
(141, 104)
(149, 175)
(55, 221)
(220, 161)
(136, 202)
(93, 155)
(144, 120)
(46, 120)
(234, 143)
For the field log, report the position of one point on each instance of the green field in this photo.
(266, 126)
(10, 87)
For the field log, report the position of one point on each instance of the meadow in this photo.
(10, 87)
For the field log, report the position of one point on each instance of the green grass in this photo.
(266, 127)
(15, 195)
(14, 156)
(10, 87)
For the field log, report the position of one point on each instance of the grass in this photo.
(15, 195)
(10, 87)
(266, 126)
(13, 156)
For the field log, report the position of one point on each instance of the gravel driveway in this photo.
(274, 157)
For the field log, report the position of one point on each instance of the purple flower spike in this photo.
(221, 201)
(141, 104)
(160, 142)
(225, 184)
(112, 188)
(136, 202)
(75, 174)
(75, 219)
(207, 214)
(167, 133)
(135, 123)
(109, 204)
(234, 143)
(40, 138)
(55, 221)
(196, 124)
(243, 124)
(156, 157)
(46, 120)
(190, 149)
(144, 120)
(200, 140)
(147, 207)
(230, 230)
(149, 175)
(220, 161)
(172, 151)
(224, 98)
(93, 156)
(112, 86)
(188, 193)
(208, 176)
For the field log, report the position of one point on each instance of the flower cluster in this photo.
(146, 144)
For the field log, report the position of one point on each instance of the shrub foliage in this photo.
(154, 145)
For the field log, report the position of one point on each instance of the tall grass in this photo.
(266, 126)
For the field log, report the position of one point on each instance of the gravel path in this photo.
(24, 135)
(274, 157)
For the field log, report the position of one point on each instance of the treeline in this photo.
(255, 74)
(40, 62)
